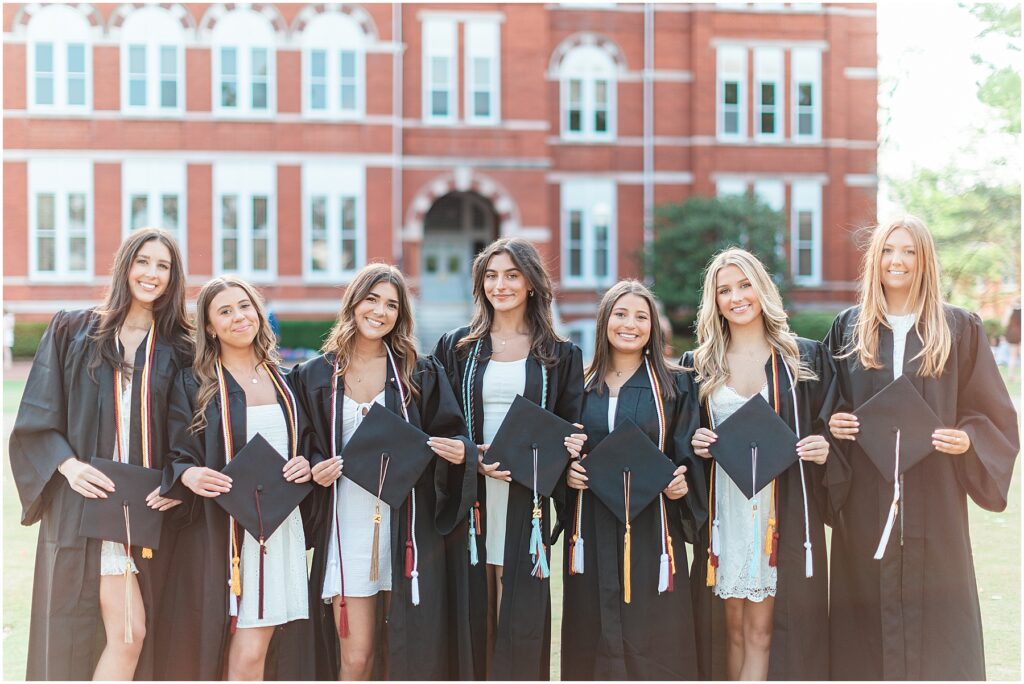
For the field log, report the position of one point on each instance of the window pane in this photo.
(348, 255)
(230, 251)
(228, 94)
(76, 58)
(76, 212)
(805, 124)
(168, 93)
(259, 95)
(348, 64)
(46, 254)
(601, 121)
(45, 213)
(482, 104)
(575, 225)
(77, 254)
(259, 214)
(140, 211)
(805, 94)
(804, 261)
(137, 59)
(318, 214)
(575, 262)
(168, 60)
(169, 213)
(318, 255)
(228, 62)
(481, 72)
(318, 96)
(732, 122)
(137, 92)
(229, 213)
(259, 62)
(575, 91)
(439, 70)
(430, 264)
(259, 254)
(44, 57)
(348, 96)
(732, 92)
(318, 63)
(767, 122)
(44, 90)
(575, 120)
(768, 94)
(600, 262)
(348, 215)
(601, 93)
(439, 102)
(806, 226)
(76, 91)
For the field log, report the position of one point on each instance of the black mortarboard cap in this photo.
(754, 426)
(104, 518)
(627, 449)
(526, 426)
(898, 407)
(384, 432)
(256, 474)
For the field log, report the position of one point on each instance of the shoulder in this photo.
(453, 337)
(187, 380)
(71, 323)
(566, 351)
(809, 349)
(686, 361)
(960, 320)
(848, 316)
(683, 381)
(312, 368)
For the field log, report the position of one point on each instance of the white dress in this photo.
(503, 380)
(354, 509)
(112, 554)
(284, 587)
(901, 327)
(743, 569)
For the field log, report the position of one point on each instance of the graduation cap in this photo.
(754, 446)
(387, 454)
(525, 429)
(898, 408)
(124, 515)
(260, 498)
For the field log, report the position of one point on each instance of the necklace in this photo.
(364, 360)
(618, 373)
(254, 376)
(505, 340)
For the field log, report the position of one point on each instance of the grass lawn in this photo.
(996, 541)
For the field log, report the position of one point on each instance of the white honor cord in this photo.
(412, 495)
(661, 447)
(893, 507)
(715, 541)
(808, 554)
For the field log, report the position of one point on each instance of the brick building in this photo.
(293, 143)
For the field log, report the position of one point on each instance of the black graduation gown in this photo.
(196, 621)
(799, 645)
(66, 413)
(522, 646)
(652, 637)
(416, 646)
(914, 614)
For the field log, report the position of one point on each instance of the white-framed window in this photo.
(244, 61)
(582, 333)
(589, 254)
(588, 94)
(772, 191)
(333, 67)
(333, 221)
(152, 63)
(59, 61)
(483, 72)
(769, 75)
(60, 219)
(153, 195)
(732, 92)
(440, 88)
(725, 187)
(245, 219)
(805, 232)
(806, 94)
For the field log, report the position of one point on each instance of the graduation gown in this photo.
(914, 614)
(799, 644)
(522, 647)
(196, 621)
(65, 413)
(416, 646)
(652, 637)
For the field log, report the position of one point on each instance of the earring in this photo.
(531, 292)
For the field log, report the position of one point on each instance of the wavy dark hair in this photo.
(543, 338)
(593, 378)
(169, 314)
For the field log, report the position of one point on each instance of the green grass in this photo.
(996, 542)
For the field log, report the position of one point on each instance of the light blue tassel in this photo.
(473, 555)
(537, 555)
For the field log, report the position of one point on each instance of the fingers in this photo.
(679, 471)
(451, 450)
(326, 472)
(702, 439)
(482, 448)
(844, 426)
(161, 503)
(297, 470)
(950, 441)
(88, 490)
(491, 470)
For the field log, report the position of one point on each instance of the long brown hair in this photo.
(204, 368)
(341, 340)
(169, 314)
(598, 368)
(538, 306)
(925, 300)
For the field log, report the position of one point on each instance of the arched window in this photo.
(244, 73)
(59, 60)
(152, 63)
(333, 67)
(587, 75)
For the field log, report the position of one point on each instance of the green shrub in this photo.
(26, 338)
(994, 328)
(304, 334)
(813, 325)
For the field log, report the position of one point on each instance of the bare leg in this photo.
(493, 608)
(247, 653)
(118, 660)
(734, 637)
(757, 638)
(357, 649)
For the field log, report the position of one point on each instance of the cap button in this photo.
(895, 429)
(125, 503)
(753, 445)
(259, 488)
(533, 446)
(626, 469)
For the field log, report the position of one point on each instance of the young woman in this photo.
(370, 357)
(233, 391)
(510, 348)
(762, 560)
(97, 375)
(914, 613)
(652, 636)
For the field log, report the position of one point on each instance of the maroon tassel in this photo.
(343, 620)
(714, 560)
(476, 511)
(263, 549)
(234, 623)
(408, 544)
(773, 559)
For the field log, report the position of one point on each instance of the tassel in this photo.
(236, 576)
(712, 564)
(537, 550)
(473, 555)
(894, 507)
(627, 593)
(576, 566)
(408, 558)
(663, 574)
(671, 566)
(716, 542)
(375, 555)
(128, 637)
(147, 553)
(769, 535)
(263, 553)
(233, 624)
(415, 588)
(342, 619)
(808, 560)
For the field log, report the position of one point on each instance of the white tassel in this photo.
(884, 541)
(663, 574)
(808, 560)
(415, 588)
(473, 555)
(577, 556)
(715, 541)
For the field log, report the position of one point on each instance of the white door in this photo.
(445, 272)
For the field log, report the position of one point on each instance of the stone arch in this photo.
(461, 180)
(270, 12)
(357, 13)
(603, 43)
(124, 10)
(19, 25)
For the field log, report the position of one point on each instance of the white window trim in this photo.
(57, 33)
(153, 45)
(797, 204)
(57, 176)
(780, 94)
(726, 186)
(334, 180)
(453, 77)
(155, 178)
(495, 76)
(243, 45)
(351, 39)
(245, 180)
(588, 89)
(772, 191)
(741, 79)
(818, 94)
(588, 336)
(581, 196)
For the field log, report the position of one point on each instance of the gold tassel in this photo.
(627, 594)
(236, 576)
(147, 553)
(711, 574)
(671, 556)
(375, 555)
(770, 532)
(128, 637)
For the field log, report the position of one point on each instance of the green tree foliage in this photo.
(1001, 88)
(690, 233)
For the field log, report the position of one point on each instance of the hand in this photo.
(677, 488)
(813, 448)
(297, 470)
(574, 442)
(702, 439)
(86, 480)
(160, 503)
(844, 426)
(492, 469)
(451, 450)
(327, 471)
(576, 476)
(950, 441)
(206, 481)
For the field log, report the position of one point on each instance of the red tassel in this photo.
(343, 620)
(234, 623)
(408, 559)
(476, 511)
(773, 559)
(263, 552)
(714, 560)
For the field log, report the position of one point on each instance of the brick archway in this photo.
(460, 180)
(355, 12)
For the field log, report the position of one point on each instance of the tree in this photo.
(1001, 88)
(690, 233)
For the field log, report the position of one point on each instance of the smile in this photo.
(148, 287)
(742, 308)
(373, 323)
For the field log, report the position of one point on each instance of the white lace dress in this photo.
(284, 586)
(112, 554)
(743, 570)
(901, 327)
(503, 380)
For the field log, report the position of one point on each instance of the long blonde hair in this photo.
(341, 339)
(204, 368)
(925, 300)
(713, 336)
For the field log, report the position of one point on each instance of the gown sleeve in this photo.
(823, 396)
(838, 473)
(986, 413)
(684, 423)
(568, 406)
(312, 507)
(38, 441)
(186, 450)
